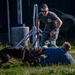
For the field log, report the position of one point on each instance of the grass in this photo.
(21, 69)
(38, 70)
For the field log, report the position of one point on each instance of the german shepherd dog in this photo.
(18, 52)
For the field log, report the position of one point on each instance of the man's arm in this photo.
(37, 26)
(59, 24)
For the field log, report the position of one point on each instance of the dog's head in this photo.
(31, 52)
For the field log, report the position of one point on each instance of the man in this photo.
(55, 55)
(59, 55)
(52, 25)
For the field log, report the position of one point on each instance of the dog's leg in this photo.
(12, 63)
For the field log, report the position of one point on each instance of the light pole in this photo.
(8, 17)
(19, 11)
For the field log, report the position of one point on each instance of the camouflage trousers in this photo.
(47, 37)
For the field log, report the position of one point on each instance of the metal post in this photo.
(36, 18)
(8, 17)
(33, 28)
(19, 11)
(35, 13)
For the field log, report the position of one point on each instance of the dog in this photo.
(21, 53)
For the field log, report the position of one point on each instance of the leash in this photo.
(24, 51)
(35, 42)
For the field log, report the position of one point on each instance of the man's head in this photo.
(66, 46)
(44, 9)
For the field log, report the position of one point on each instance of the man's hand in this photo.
(52, 32)
(38, 34)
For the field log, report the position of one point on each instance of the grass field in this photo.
(21, 69)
